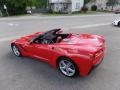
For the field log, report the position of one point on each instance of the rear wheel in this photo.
(16, 50)
(67, 67)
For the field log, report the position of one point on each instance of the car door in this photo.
(45, 51)
(35, 50)
(40, 50)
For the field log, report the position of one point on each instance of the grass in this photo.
(61, 14)
(76, 13)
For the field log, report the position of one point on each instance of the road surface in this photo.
(30, 74)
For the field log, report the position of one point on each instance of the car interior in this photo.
(51, 37)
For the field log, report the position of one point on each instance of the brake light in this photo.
(98, 53)
(92, 56)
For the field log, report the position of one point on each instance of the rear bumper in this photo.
(98, 59)
(86, 66)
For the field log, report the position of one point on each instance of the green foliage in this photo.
(2, 3)
(84, 9)
(31, 2)
(19, 6)
(93, 7)
(86, 1)
(41, 3)
(16, 7)
(16, 3)
(112, 3)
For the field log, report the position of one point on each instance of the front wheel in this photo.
(15, 50)
(67, 67)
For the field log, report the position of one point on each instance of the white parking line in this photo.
(12, 24)
(76, 27)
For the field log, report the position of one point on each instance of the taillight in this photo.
(98, 53)
(92, 56)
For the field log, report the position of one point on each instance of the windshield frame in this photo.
(49, 35)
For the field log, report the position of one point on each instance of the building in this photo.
(101, 5)
(65, 6)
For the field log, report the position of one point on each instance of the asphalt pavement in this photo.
(31, 74)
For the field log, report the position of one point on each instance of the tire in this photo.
(67, 67)
(16, 50)
(119, 23)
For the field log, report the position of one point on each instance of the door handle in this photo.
(52, 48)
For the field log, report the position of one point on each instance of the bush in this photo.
(93, 7)
(13, 10)
(84, 9)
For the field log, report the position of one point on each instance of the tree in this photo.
(41, 3)
(2, 10)
(112, 3)
(16, 7)
(94, 7)
(87, 1)
(19, 6)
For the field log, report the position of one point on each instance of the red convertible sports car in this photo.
(72, 54)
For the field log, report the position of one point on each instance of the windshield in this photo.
(50, 34)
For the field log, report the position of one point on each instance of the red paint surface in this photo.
(85, 50)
